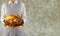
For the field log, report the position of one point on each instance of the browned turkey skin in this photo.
(13, 20)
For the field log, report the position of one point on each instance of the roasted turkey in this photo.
(13, 20)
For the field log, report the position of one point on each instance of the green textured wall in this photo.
(43, 17)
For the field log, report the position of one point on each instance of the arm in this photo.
(2, 13)
(23, 10)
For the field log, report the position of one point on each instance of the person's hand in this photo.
(4, 21)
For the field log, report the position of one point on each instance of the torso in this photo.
(13, 9)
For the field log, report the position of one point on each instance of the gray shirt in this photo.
(13, 8)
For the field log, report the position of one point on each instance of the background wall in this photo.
(43, 17)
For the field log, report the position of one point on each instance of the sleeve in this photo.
(23, 10)
(2, 13)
